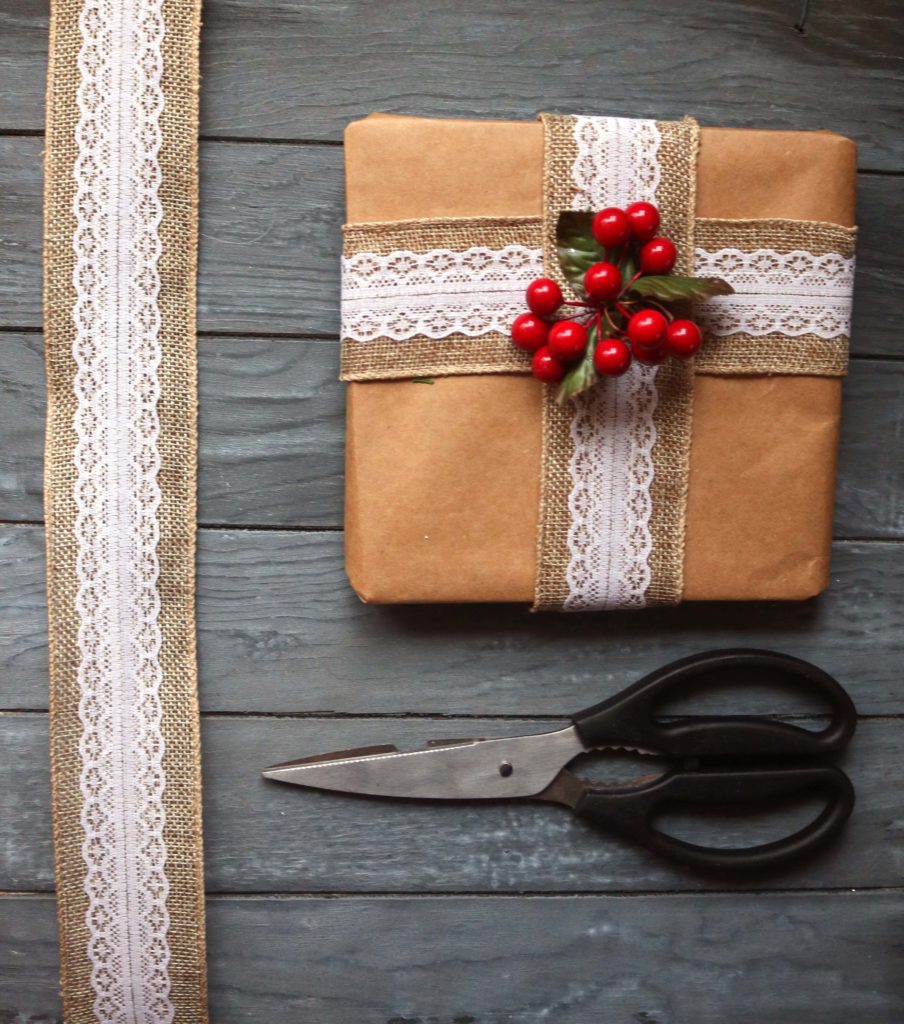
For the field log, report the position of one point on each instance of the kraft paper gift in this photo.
(443, 478)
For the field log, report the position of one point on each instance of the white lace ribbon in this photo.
(403, 294)
(613, 432)
(793, 293)
(117, 351)
(609, 540)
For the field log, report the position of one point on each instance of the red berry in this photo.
(544, 296)
(651, 355)
(683, 338)
(567, 340)
(611, 227)
(529, 332)
(644, 219)
(603, 282)
(647, 328)
(611, 357)
(544, 366)
(657, 256)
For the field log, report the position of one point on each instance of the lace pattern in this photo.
(611, 471)
(616, 162)
(613, 432)
(406, 295)
(792, 293)
(117, 352)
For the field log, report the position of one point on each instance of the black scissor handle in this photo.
(627, 719)
(630, 811)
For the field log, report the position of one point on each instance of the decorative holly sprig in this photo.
(621, 273)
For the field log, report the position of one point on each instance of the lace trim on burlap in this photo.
(614, 464)
(434, 297)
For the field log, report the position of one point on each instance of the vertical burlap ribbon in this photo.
(648, 544)
(120, 480)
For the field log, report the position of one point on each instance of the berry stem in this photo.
(614, 329)
(666, 312)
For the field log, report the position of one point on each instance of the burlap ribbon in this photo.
(120, 249)
(788, 316)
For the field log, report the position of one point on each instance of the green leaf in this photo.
(670, 288)
(421, 380)
(582, 375)
(578, 250)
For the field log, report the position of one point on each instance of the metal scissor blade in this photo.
(512, 766)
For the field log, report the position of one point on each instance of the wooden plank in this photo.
(271, 431)
(272, 436)
(262, 836)
(811, 959)
(270, 242)
(300, 71)
(280, 632)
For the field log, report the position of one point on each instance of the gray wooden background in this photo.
(332, 911)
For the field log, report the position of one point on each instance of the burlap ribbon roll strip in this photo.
(120, 478)
(437, 297)
(613, 479)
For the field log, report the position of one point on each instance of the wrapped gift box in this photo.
(445, 469)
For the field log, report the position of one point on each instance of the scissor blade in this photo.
(512, 766)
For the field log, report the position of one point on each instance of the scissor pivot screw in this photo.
(505, 769)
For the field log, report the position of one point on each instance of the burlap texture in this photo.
(807, 354)
(454, 355)
(551, 584)
(773, 355)
(815, 236)
(455, 233)
(676, 200)
(674, 380)
(388, 359)
(177, 513)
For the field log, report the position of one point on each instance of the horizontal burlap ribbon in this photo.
(437, 297)
(455, 354)
(378, 260)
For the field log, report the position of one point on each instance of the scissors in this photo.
(723, 760)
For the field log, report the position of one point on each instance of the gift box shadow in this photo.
(737, 622)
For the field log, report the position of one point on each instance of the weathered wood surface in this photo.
(301, 70)
(808, 959)
(270, 242)
(280, 632)
(262, 836)
(272, 436)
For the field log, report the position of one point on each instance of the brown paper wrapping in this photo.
(442, 479)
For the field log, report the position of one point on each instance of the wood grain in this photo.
(263, 836)
(272, 436)
(269, 257)
(693, 959)
(280, 632)
(290, 70)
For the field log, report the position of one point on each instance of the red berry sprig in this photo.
(621, 272)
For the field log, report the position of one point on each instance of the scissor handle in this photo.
(627, 719)
(630, 811)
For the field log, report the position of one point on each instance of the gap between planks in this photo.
(393, 894)
(433, 716)
(338, 530)
(262, 140)
(333, 339)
